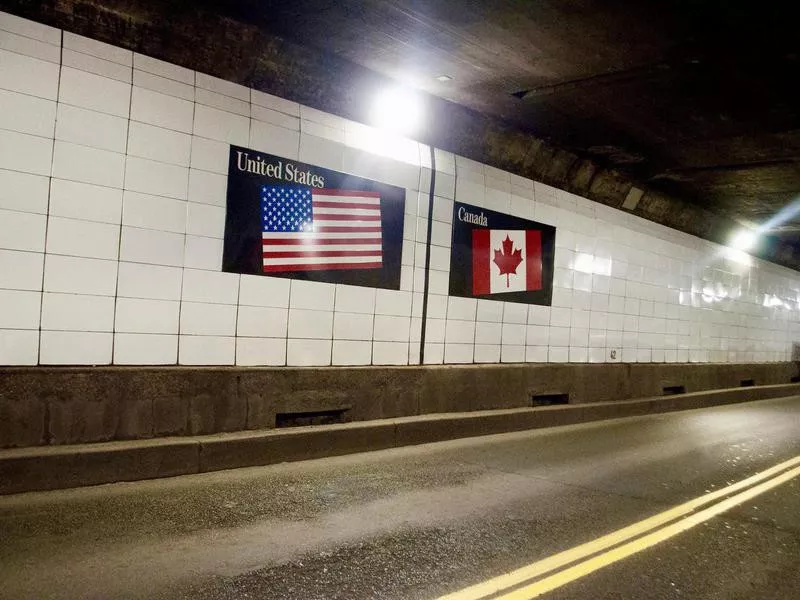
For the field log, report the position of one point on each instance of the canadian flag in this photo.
(506, 260)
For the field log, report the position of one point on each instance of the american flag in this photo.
(310, 229)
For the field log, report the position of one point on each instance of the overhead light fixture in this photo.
(398, 110)
(744, 240)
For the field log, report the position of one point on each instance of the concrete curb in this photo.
(55, 406)
(58, 467)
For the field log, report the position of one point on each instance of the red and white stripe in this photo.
(346, 235)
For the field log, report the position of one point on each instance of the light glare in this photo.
(398, 110)
(588, 263)
(583, 262)
(744, 240)
(738, 256)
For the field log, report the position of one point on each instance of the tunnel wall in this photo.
(112, 215)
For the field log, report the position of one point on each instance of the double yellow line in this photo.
(538, 578)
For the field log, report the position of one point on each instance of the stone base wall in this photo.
(53, 406)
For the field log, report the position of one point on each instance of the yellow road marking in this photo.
(611, 556)
(523, 574)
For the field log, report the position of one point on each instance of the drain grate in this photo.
(316, 417)
(671, 390)
(549, 399)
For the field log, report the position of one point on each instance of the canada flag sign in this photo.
(500, 256)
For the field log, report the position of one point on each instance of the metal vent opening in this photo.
(671, 390)
(317, 417)
(549, 399)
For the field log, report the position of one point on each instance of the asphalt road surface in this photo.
(428, 521)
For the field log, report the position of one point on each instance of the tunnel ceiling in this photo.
(693, 101)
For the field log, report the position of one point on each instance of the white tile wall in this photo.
(311, 295)
(304, 353)
(353, 299)
(207, 188)
(77, 312)
(112, 213)
(27, 114)
(222, 102)
(349, 352)
(151, 247)
(29, 29)
(275, 117)
(262, 321)
(222, 86)
(156, 178)
(198, 318)
(134, 315)
(85, 201)
(206, 350)
(163, 85)
(273, 102)
(391, 329)
(311, 324)
(26, 153)
(28, 75)
(389, 353)
(75, 348)
(21, 270)
(221, 125)
(28, 46)
(88, 165)
(20, 309)
(19, 347)
(206, 220)
(98, 66)
(97, 49)
(73, 237)
(353, 326)
(22, 231)
(274, 139)
(76, 275)
(206, 286)
(91, 128)
(157, 143)
(153, 212)
(208, 155)
(145, 349)
(264, 291)
(203, 253)
(163, 69)
(251, 351)
(163, 110)
(23, 191)
(149, 281)
(95, 92)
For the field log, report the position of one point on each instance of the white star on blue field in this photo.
(286, 208)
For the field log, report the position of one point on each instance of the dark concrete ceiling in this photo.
(693, 101)
(695, 98)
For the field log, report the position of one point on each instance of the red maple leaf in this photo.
(507, 260)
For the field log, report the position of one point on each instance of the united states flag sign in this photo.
(313, 229)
